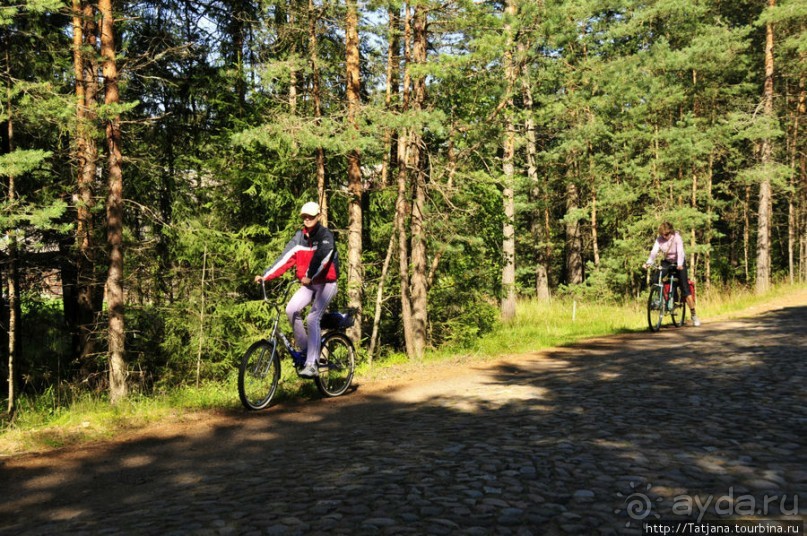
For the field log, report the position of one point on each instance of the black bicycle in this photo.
(665, 298)
(259, 373)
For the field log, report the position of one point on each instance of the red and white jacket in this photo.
(312, 252)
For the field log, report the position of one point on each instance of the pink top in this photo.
(672, 248)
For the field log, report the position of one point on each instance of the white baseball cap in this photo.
(310, 208)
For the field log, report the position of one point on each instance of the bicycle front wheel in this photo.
(258, 375)
(679, 310)
(337, 364)
(655, 308)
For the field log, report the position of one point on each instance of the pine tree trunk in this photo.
(802, 183)
(235, 30)
(547, 232)
(202, 311)
(418, 280)
(419, 289)
(401, 221)
(536, 229)
(763, 273)
(692, 257)
(14, 312)
(316, 96)
(574, 241)
(595, 245)
(14, 309)
(655, 164)
(796, 260)
(379, 299)
(594, 230)
(747, 234)
(792, 199)
(355, 278)
(114, 212)
(84, 35)
(402, 207)
(508, 305)
(538, 232)
(792, 223)
(392, 82)
(707, 236)
(292, 66)
(451, 159)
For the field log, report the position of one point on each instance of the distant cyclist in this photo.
(313, 251)
(670, 244)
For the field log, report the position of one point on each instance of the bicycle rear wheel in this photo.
(258, 375)
(337, 364)
(679, 310)
(655, 308)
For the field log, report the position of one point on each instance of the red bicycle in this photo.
(665, 299)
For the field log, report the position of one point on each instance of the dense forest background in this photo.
(154, 156)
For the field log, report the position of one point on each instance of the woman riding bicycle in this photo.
(313, 251)
(670, 244)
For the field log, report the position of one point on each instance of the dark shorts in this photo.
(681, 276)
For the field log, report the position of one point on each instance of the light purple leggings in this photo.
(320, 296)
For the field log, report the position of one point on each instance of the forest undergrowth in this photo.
(43, 422)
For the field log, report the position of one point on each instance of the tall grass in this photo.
(557, 322)
(562, 321)
(41, 422)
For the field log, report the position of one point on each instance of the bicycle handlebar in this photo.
(658, 266)
(283, 295)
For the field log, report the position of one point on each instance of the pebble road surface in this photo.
(595, 438)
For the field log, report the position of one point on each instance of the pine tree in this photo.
(118, 388)
(355, 280)
(508, 169)
(86, 294)
(29, 208)
(764, 213)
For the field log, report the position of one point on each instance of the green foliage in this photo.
(460, 316)
(44, 6)
(40, 365)
(21, 161)
(650, 109)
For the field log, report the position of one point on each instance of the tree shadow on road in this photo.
(562, 442)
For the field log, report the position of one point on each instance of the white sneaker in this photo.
(308, 371)
(696, 321)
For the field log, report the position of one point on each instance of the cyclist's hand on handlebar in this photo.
(258, 279)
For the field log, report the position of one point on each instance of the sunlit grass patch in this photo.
(542, 324)
(732, 301)
(39, 424)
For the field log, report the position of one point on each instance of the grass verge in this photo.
(43, 423)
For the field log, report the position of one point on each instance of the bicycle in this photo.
(661, 301)
(259, 372)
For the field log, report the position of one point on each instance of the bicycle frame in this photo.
(666, 287)
(276, 332)
(665, 299)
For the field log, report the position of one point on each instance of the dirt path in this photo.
(589, 439)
